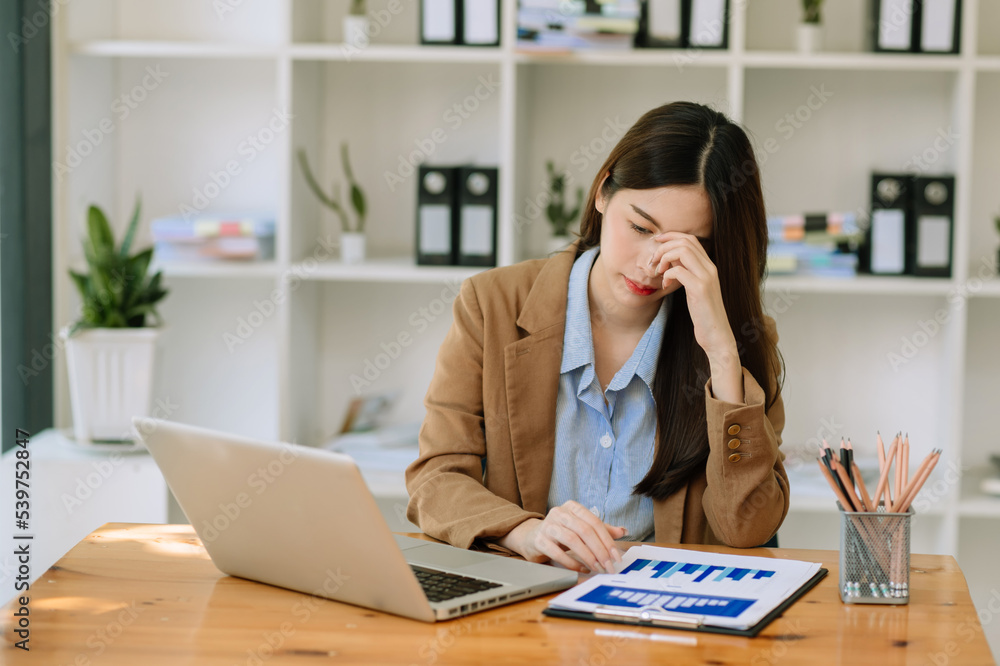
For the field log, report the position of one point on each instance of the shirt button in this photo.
(734, 443)
(606, 441)
(734, 429)
(735, 457)
(595, 511)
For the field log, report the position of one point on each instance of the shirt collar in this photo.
(578, 340)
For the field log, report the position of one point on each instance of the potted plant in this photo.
(352, 241)
(810, 33)
(110, 349)
(996, 222)
(356, 25)
(559, 217)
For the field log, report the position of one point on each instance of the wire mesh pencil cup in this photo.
(875, 557)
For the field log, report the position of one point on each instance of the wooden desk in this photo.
(137, 594)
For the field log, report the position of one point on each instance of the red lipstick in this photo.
(638, 289)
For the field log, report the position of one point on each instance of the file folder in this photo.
(439, 21)
(940, 26)
(477, 223)
(661, 24)
(436, 216)
(708, 25)
(480, 22)
(894, 28)
(891, 218)
(934, 214)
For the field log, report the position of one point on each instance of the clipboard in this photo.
(654, 617)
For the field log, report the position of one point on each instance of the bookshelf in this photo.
(230, 74)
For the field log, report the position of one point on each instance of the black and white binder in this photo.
(940, 27)
(708, 24)
(894, 28)
(661, 24)
(477, 214)
(436, 216)
(440, 21)
(480, 22)
(934, 215)
(887, 232)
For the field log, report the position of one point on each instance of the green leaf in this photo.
(358, 201)
(99, 236)
(82, 283)
(130, 234)
(346, 162)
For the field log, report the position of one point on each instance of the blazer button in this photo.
(734, 429)
(734, 443)
(735, 457)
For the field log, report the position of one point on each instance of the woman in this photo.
(628, 387)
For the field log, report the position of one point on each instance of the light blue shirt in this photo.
(603, 450)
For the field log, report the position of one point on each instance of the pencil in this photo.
(906, 462)
(919, 478)
(844, 502)
(883, 477)
(865, 498)
(880, 449)
(899, 474)
(842, 473)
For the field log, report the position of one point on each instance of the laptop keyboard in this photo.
(441, 586)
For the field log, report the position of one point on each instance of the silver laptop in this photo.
(302, 518)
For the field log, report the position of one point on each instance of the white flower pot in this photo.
(352, 247)
(810, 37)
(110, 380)
(356, 30)
(557, 244)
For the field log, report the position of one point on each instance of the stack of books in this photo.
(179, 239)
(569, 25)
(821, 244)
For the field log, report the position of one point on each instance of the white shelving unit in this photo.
(278, 349)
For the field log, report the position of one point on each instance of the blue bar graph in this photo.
(693, 604)
(700, 572)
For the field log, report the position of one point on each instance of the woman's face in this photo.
(631, 218)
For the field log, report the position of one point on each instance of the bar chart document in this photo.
(675, 587)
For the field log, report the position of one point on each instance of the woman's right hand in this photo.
(571, 536)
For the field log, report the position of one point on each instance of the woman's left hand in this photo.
(681, 257)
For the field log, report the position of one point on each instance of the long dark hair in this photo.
(690, 144)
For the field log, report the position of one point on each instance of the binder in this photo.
(708, 24)
(894, 26)
(436, 216)
(940, 26)
(440, 21)
(678, 621)
(477, 216)
(661, 24)
(886, 238)
(934, 215)
(480, 22)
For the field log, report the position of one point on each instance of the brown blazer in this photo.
(493, 395)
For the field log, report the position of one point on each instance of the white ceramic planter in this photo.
(356, 29)
(810, 37)
(110, 380)
(352, 247)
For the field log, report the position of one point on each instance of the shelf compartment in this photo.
(249, 269)
(398, 53)
(122, 48)
(679, 59)
(382, 269)
(850, 61)
(874, 285)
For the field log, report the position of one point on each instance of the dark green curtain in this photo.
(26, 343)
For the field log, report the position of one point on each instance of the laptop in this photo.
(302, 518)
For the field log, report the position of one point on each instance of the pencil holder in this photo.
(875, 557)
